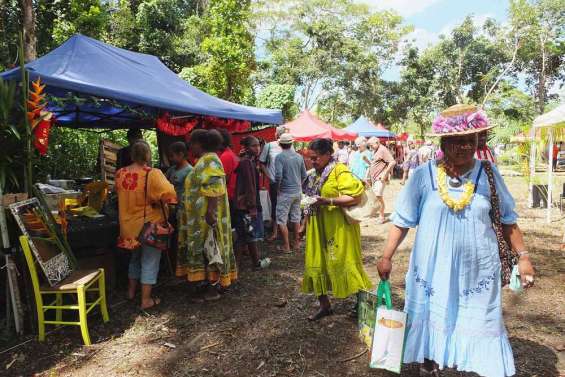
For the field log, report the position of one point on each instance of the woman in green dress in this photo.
(333, 260)
(205, 208)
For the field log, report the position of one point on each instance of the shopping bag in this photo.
(388, 338)
(265, 204)
(212, 250)
(366, 311)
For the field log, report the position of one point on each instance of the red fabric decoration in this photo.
(232, 125)
(267, 134)
(182, 126)
(41, 136)
(175, 127)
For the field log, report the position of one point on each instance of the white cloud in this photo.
(405, 8)
(422, 38)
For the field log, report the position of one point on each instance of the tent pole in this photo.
(549, 176)
(532, 167)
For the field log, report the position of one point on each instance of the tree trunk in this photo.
(541, 79)
(30, 40)
(508, 66)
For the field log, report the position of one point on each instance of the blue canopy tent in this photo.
(120, 88)
(363, 127)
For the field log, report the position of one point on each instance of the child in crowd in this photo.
(178, 154)
(180, 167)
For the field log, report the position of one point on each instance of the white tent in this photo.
(551, 120)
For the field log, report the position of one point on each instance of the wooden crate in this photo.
(108, 161)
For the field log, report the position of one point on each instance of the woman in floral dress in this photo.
(205, 208)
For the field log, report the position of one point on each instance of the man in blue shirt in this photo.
(290, 172)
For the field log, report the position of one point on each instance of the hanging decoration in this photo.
(232, 125)
(183, 126)
(175, 127)
(39, 119)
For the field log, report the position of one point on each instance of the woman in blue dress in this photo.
(453, 285)
(361, 161)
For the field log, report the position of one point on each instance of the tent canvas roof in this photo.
(307, 127)
(554, 118)
(88, 67)
(364, 127)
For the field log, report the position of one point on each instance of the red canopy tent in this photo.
(308, 127)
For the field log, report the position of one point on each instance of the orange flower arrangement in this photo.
(40, 120)
(35, 103)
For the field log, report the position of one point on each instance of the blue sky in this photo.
(431, 18)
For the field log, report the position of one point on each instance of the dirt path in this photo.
(260, 329)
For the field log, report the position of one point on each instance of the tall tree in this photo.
(333, 51)
(30, 41)
(88, 17)
(228, 51)
(542, 47)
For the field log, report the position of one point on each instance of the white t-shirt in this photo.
(268, 154)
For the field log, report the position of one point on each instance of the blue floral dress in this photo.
(453, 293)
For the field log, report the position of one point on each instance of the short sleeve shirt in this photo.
(268, 155)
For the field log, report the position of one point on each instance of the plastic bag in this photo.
(388, 338)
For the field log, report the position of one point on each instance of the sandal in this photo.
(156, 302)
(321, 314)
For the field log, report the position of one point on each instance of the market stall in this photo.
(307, 127)
(548, 123)
(87, 84)
(364, 127)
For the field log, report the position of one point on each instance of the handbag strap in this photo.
(508, 257)
(494, 202)
(383, 291)
(145, 195)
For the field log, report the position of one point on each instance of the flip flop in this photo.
(156, 302)
(321, 314)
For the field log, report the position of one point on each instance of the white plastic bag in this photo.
(265, 204)
(388, 338)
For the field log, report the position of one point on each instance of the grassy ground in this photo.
(260, 328)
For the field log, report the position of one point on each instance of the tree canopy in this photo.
(329, 56)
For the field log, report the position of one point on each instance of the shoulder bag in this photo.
(366, 209)
(508, 259)
(157, 235)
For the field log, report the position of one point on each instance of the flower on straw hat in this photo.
(460, 119)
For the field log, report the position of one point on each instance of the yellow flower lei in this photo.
(466, 197)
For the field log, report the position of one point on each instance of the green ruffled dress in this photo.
(333, 261)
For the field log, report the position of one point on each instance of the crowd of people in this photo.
(456, 270)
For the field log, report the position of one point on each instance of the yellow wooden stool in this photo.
(78, 283)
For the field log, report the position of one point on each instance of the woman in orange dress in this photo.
(142, 193)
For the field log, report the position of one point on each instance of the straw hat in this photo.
(460, 119)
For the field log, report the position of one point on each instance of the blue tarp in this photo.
(87, 67)
(364, 127)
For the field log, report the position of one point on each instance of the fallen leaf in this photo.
(260, 365)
